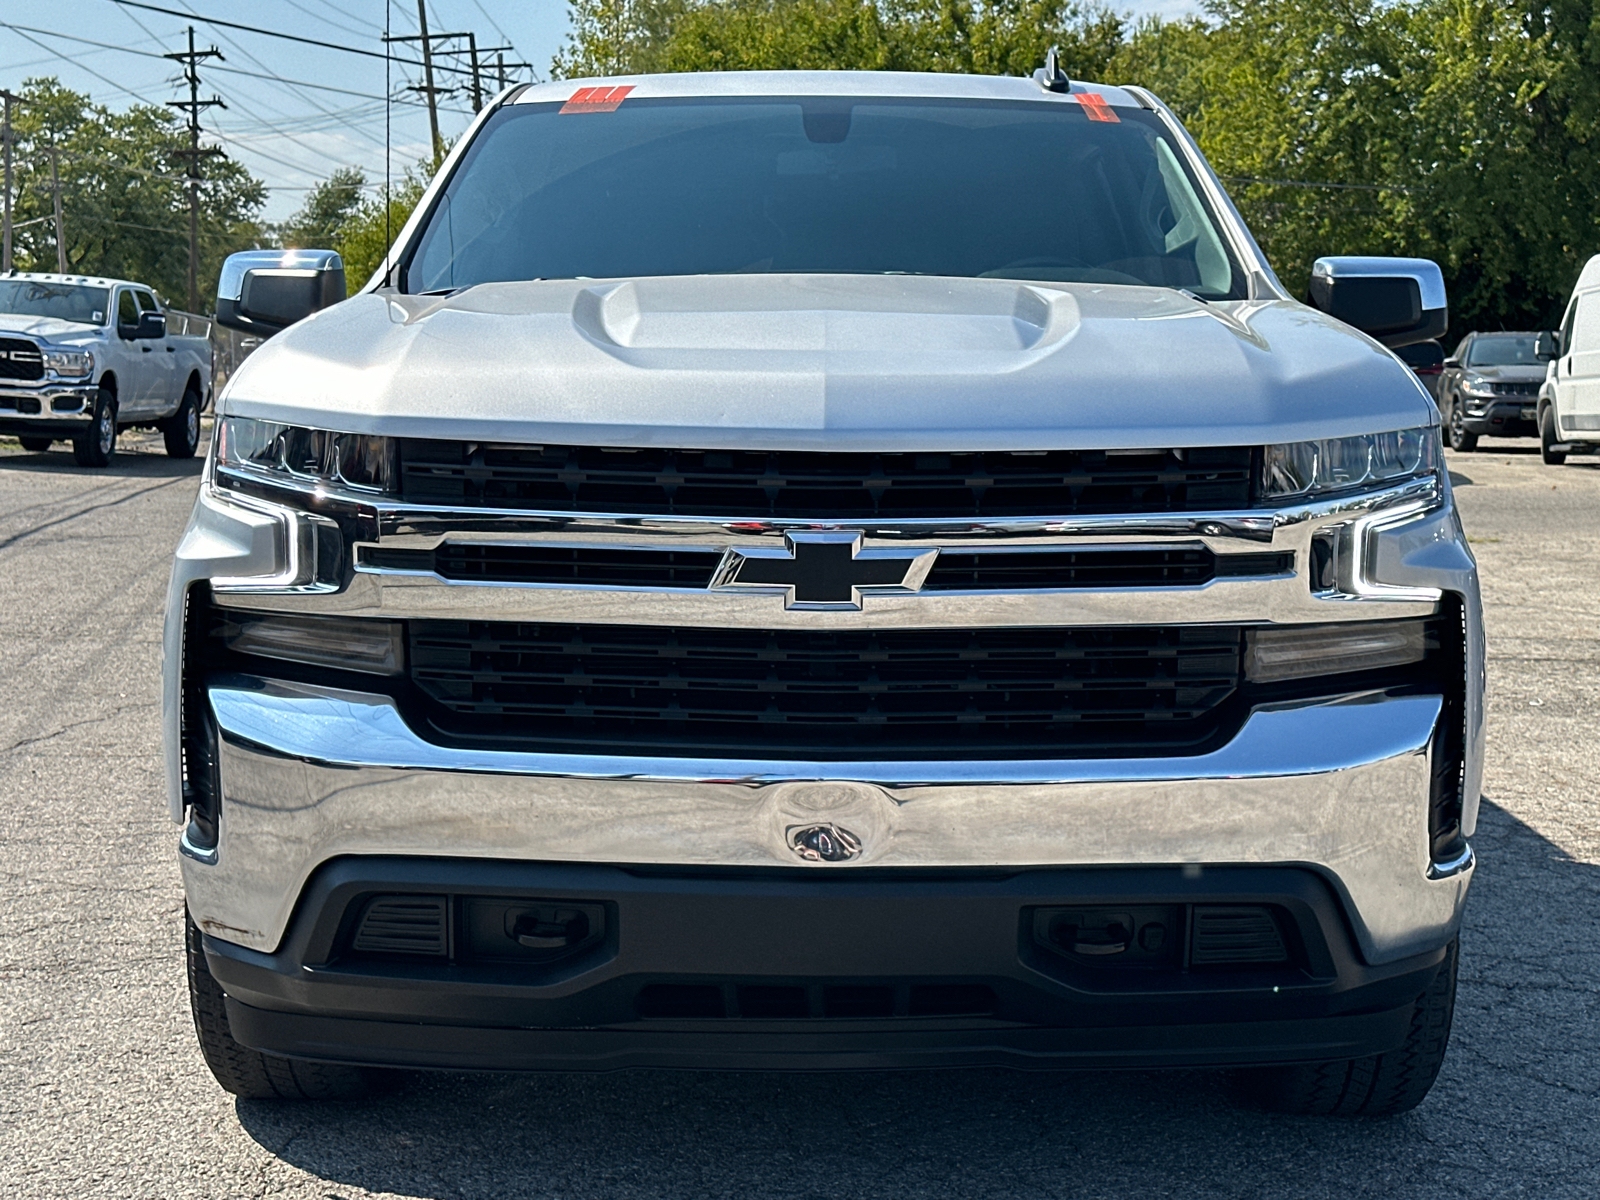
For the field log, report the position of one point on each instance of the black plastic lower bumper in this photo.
(1504, 419)
(816, 970)
(53, 428)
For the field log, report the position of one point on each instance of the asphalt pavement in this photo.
(103, 1093)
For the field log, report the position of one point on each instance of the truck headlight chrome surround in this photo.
(293, 454)
(69, 364)
(1303, 469)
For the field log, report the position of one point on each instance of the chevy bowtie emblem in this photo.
(824, 570)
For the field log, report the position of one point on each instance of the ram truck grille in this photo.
(20, 359)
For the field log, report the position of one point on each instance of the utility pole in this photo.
(477, 83)
(55, 193)
(500, 66)
(191, 60)
(10, 98)
(427, 81)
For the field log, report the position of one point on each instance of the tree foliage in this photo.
(325, 211)
(125, 203)
(1459, 130)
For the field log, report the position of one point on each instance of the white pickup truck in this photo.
(82, 357)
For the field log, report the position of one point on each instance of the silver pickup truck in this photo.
(82, 358)
(827, 570)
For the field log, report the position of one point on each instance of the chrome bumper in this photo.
(310, 774)
(56, 401)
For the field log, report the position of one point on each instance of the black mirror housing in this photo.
(1398, 301)
(1547, 346)
(265, 291)
(1452, 363)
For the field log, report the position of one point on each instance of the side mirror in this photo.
(1399, 301)
(151, 326)
(1547, 346)
(265, 291)
(1452, 364)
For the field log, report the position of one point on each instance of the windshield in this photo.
(1017, 190)
(64, 301)
(1503, 350)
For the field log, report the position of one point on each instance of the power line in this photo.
(271, 78)
(288, 37)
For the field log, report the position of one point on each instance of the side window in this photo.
(127, 309)
(1461, 350)
(1566, 326)
(1585, 336)
(147, 302)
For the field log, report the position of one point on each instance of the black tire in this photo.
(250, 1074)
(181, 431)
(1456, 431)
(1548, 439)
(1380, 1085)
(98, 446)
(35, 445)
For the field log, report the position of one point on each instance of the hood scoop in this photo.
(801, 314)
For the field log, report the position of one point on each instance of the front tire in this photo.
(35, 445)
(1548, 440)
(97, 446)
(250, 1074)
(1380, 1085)
(1460, 439)
(181, 431)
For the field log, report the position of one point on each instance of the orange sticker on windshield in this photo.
(1096, 108)
(596, 99)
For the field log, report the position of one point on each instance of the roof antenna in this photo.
(1051, 77)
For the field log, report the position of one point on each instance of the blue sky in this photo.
(288, 134)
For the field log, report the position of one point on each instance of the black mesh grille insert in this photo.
(815, 484)
(584, 566)
(20, 359)
(992, 692)
(403, 925)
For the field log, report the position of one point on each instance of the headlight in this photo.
(1343, 464)
(312, 456)
(70, 364)
(1474, 386)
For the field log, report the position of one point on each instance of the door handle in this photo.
(145, 349)
(171, 350)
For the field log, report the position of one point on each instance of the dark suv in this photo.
(1490, 385)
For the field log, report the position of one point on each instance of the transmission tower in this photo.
(191, 60)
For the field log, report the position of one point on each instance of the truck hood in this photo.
(51, 329)
(828, 361)
(1519, 373)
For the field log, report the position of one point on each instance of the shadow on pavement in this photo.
(1516, 1110)
(130, 462)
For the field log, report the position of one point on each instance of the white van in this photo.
(1569, 401)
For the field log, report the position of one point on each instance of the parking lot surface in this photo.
(103, 1092)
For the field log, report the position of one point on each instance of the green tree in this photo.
(1004, 37)
(124, 200)
(327, 207)
(365, 234)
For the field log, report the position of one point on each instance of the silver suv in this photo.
(826, 570)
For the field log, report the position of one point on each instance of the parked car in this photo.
(696, 608)
(1490, 385)
(1569, 399)
(1426, 360)
(82, 358)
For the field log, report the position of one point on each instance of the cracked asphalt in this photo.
(102, 1092)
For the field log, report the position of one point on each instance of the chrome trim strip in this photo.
(311, 774)
(1462, 864)
(402, 594)
(343, 729)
